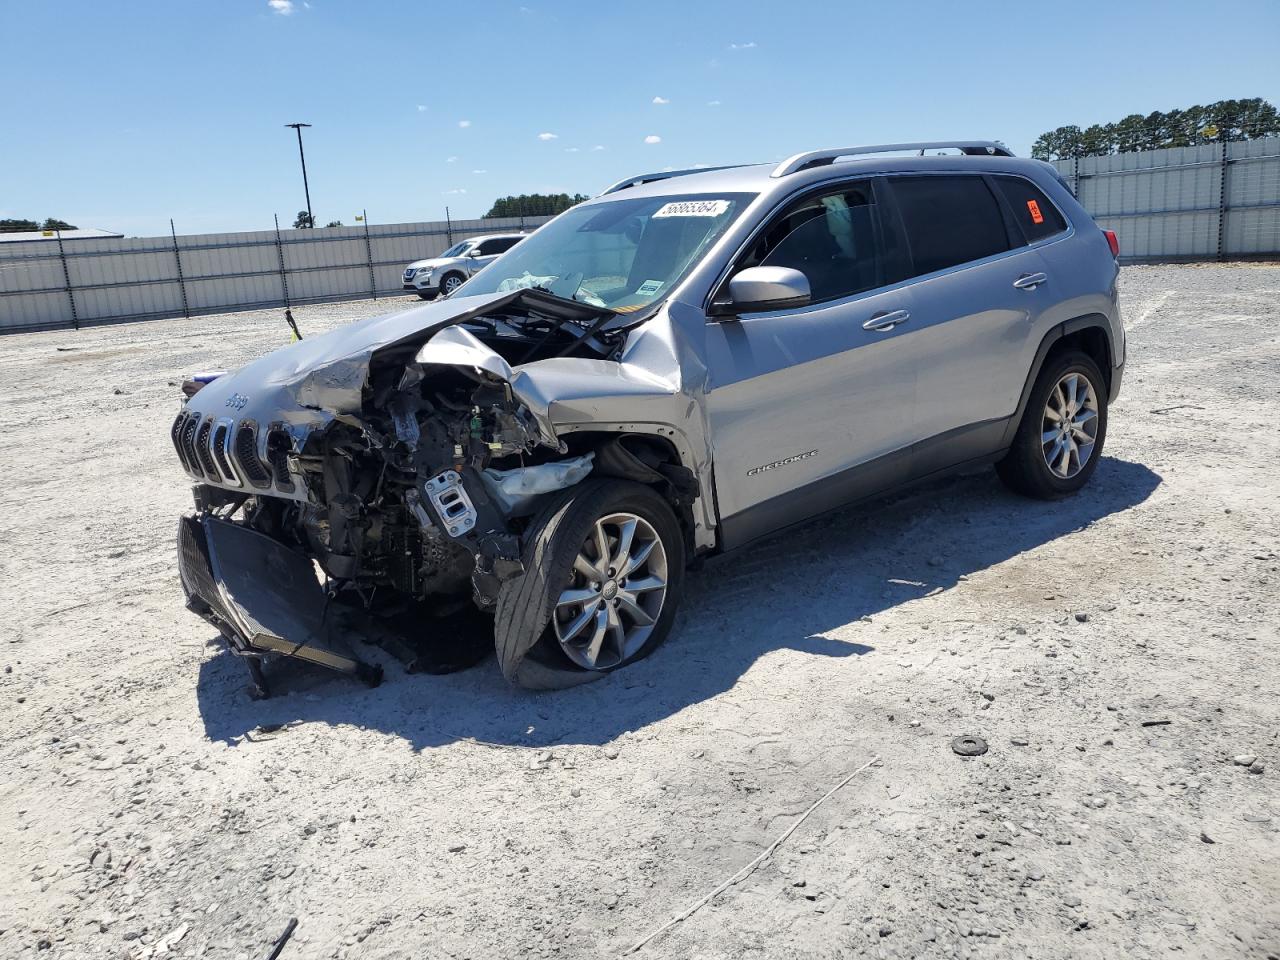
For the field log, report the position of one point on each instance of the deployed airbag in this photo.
(515, 490)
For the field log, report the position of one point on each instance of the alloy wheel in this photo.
(1070, 427)
(615, 593)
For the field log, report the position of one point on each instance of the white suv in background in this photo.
(447, 272)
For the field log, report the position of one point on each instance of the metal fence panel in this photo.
(1186, 203)
(146, 277)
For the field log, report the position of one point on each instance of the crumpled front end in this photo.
(404, 471)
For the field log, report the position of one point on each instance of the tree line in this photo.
(534, 205)
(31, 226)
(1215, 123)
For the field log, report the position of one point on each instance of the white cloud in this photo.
(597, 147)
(452, 160)
(464, 124)
(422, 108)
(661, 100)
(548, 136)
(282, 7)
(713, 103)
(749, 45)
(652, 138)
(479, 171)
(449, 193)
(570, 149)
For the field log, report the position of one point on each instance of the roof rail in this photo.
(664, 175)
(819, 158)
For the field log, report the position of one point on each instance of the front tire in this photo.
(604, 567)
(451, 282)
(1059, 440)
(427, 295)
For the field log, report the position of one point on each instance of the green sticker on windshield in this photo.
(648, 288)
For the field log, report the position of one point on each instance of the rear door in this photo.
(977, 290)
(800, 399)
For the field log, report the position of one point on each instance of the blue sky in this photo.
(123, 114)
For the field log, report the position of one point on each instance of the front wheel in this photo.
(604, 566)
(1059, 441)
(450, 283)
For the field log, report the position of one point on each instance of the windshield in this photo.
(456, 249)
(622, 255)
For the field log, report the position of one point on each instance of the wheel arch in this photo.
(1090, 334)
(651, 457)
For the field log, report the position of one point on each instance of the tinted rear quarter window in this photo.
(1035, 215)
(949, 220)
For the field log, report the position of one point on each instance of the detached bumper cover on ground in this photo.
(263, 597)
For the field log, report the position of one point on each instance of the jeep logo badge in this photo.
(237, 401)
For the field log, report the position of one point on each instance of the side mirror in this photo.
(473, 252)
(764, 288)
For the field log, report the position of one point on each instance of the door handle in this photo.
(1029, 281)
(883, 322)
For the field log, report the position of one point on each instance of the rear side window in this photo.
(498, 245)
(949, 220)
(1032, 211)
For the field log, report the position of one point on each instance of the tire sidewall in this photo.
(551, 559)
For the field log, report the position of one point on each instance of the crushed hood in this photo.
(307, 383)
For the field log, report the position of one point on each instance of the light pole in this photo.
(303, 157)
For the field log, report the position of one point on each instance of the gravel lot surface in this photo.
(1118, 652)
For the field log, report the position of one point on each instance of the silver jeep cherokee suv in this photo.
(686, 363)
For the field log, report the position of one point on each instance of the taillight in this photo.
(1113, 242)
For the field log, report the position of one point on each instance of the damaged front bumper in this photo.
(263, 597)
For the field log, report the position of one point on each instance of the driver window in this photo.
(834, 239)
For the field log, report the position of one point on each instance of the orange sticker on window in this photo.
(1036, 215)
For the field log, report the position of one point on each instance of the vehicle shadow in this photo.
(786, 592)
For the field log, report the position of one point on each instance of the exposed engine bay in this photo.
(417, 496)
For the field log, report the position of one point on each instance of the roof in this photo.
(87, 233)
(761, 178)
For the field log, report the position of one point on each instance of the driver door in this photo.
(812, 407)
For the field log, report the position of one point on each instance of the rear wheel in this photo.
(426, 294)
(604, 564)
(1059, 440)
